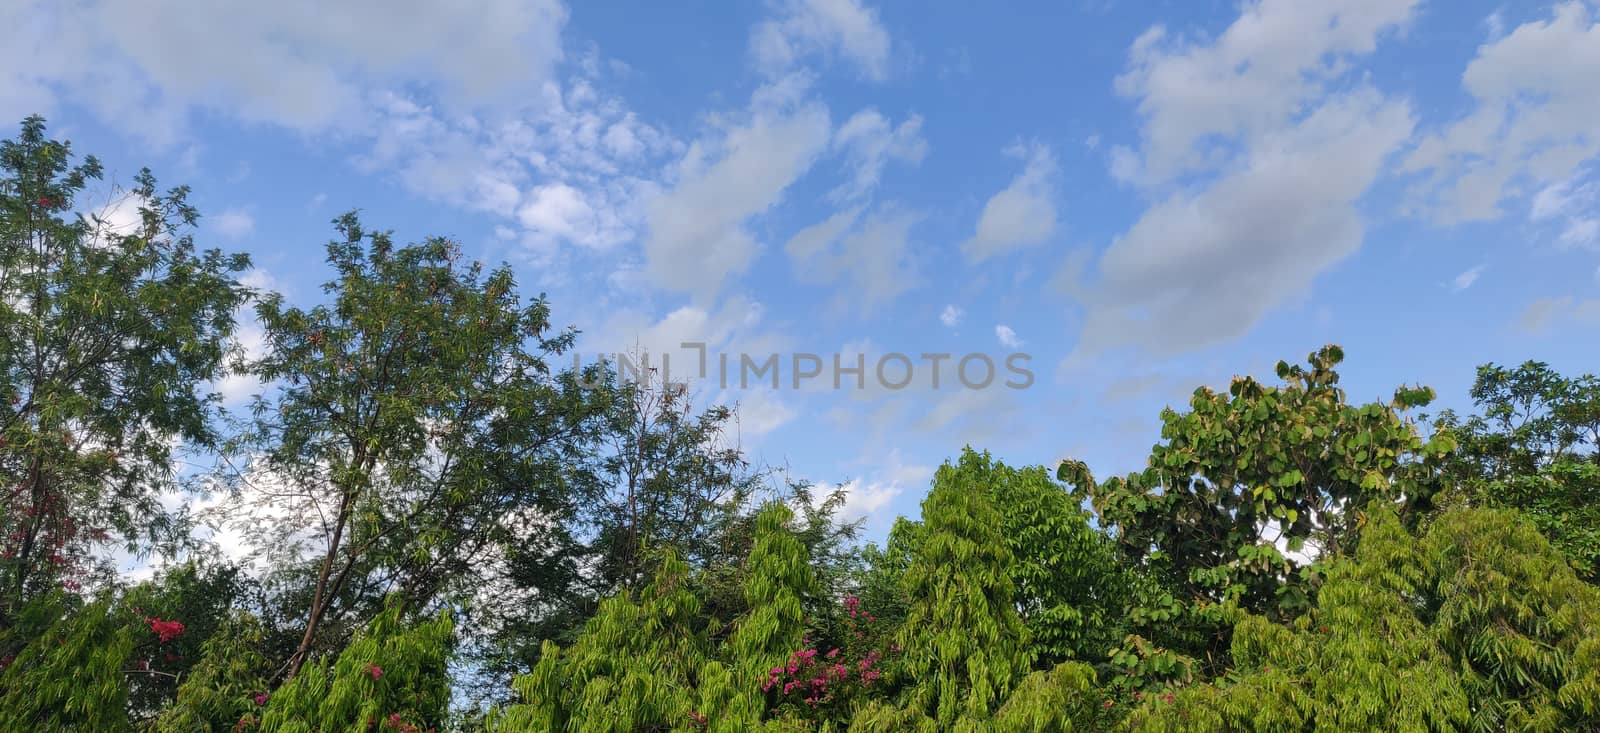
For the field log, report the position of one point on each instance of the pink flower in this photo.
(833, 653)
(375, 671)
(261, 699)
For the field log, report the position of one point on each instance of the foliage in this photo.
(1068, 582)
(673, 480)
(392, 675)
(108, 338)
(965, 646)
(1478, 625)
(189, 602)
(1536, 448)
(1240, 473)
(227, 687)
(72, 677)
(777, 580)
(419, 408)
(1070, 587)
(632, 668)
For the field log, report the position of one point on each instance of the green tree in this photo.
(73, 676)
(393, 676)
(1478, 625)
(197, 594)
(674, 479)
(227, 687)
(1069, 584)
(108, 340)
(778, 579)
(634, 668)
(1535, 447)
(416, 424)
(966, 650)
(1242, 472)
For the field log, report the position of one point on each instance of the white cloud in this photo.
(697, 237)
(761, 411)
(733, 328)
(1573, 207)
(562, 213)
(1021, 214)
(869, 256)
(235, 223)
(870, 142)
(951, 316)
(1467, 278)
(259, 279)
(1532, 126)
(1253, 79)
(250, 338)
(1273, 143)
(1008, 337)
(554, 167)
(1202, 268)
(865, 499)
(300, 63)
(118, 217)
(1544, 313)
(832, 27)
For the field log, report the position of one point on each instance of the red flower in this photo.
(261, 699)
(165, 630)
(375, 671)
(46, 202)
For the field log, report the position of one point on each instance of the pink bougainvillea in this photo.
(820, 684)
(165, 630)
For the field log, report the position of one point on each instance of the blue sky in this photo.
(1141, 197)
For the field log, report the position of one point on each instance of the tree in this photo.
(1242, 473)
(1070, 588)
(674, 480)
(108, 340)
(968, 660)
(1477, 625)
(778, 579)
(392, 677)
(198, 595)
(73, 676)
(965, 645)
(227, 687)
(634, 667)
(1535, 448)
(416, 423)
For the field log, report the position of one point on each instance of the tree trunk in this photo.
(318, 604)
